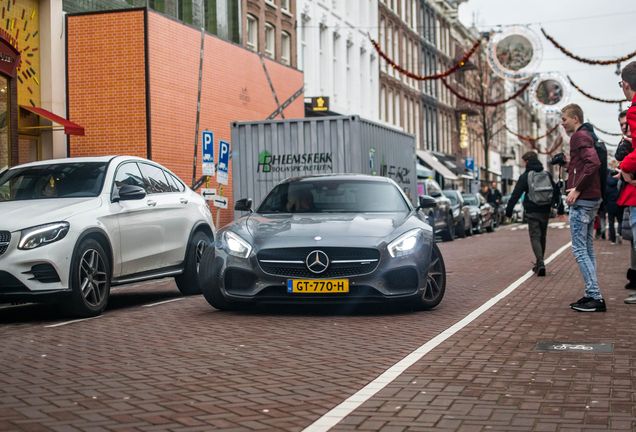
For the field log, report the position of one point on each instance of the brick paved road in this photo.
(184, 366)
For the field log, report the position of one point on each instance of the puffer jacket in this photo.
(583, 167)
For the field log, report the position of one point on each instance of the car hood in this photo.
(327, 226)
(18, 215)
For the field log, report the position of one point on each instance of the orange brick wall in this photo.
(107, 89)
(107, 83)
(227, 71)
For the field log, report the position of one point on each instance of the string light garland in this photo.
(489, 104)
(583, 60)
(612, 101)
(442, 75)
(606, 133)
(532, 141)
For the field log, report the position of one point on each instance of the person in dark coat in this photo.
(614, 211)
(537, 216)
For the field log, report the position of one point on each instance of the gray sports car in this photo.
(326, 239)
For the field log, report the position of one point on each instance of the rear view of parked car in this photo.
(461, 214)
(73, 228)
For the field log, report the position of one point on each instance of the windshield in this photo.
(470, 200)
(330, 196)
(64, 180)
(452, 197)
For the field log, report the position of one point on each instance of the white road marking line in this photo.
(337, 414)
(72, 321)
(163, 302)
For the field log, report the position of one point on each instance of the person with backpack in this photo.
(541, 195)
(584, 199)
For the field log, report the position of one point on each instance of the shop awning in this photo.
(436, 165)
(70, 128)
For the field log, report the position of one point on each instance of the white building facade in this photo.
(336, 55)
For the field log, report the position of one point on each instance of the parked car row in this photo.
(72, 229)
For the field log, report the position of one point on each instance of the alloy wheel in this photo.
(93, 277)
(201, 247)
(436, 277)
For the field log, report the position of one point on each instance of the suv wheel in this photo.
(490, 228)
(480, 226)
(210, 280)
(188, 281)
(449, 233)
(89, 280)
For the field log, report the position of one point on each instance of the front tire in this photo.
(436, 281)
(449, 233)
(480, 226)
(188, 281)
(461, 231)
(469, 230)
(490, 228)
(210, 282)
(89, 280)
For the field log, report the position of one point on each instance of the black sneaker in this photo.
(581, 301)
(535, 268)
(592, 305)
(541, 269)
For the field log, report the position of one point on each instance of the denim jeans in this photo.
(582, 231)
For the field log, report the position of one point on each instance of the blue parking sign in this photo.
(224, 162)
(470, 163)
(208, 152)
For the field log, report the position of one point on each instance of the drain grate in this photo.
(593, 348)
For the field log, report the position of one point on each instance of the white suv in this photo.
(72, 228)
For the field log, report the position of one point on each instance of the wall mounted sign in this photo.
(515, 52)
(463, 131)
(320, 103)
(9, 59)
(550, 91)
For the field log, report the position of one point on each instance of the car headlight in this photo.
(405, 244)
(43, 235)
(236, 246)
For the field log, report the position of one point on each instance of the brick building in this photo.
(269, 28)
(135, 89)
(400, 97)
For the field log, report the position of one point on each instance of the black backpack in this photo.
(601, 152)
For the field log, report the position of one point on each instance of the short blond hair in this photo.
(573, 110)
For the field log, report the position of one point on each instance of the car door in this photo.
(171, 216)
(188, 213)
(139, 225)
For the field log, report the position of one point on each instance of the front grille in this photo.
(334, 270)
(5, 239)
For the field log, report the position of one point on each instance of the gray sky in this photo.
(593, 29)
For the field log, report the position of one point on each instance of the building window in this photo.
(398, 107)
(383, 41)
(414, 14)
(389, 45)
(417, 125)
(323, 63)
(335, 67)
(270, 40)
(407, 115)
(286, 47)
(284, 5)
(383, 103)
(390, 111)
(349, 76)
(403, 10)
(405, 59)
(252, 32)
(396, 46)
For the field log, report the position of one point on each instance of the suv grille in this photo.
(291, 262)
(5, 239)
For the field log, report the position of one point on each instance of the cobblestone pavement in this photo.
(180, 365)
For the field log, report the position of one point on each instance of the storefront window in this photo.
(5, 145)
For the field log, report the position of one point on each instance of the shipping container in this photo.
(266, 152)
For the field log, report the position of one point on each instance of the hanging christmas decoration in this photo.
(514, 52)
(403, 71)
(533, 141)
(490, 104)
(594, 97)
(581, 59)
(550, 92)
(606, 133)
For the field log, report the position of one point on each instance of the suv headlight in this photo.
(405, 244)
(43, 235)
(236, 246)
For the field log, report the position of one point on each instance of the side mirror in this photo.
(426, 202)
(244, 204)
(131, 193)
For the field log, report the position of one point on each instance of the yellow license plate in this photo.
(318, 286)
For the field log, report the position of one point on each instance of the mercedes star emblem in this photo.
(317, 262)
